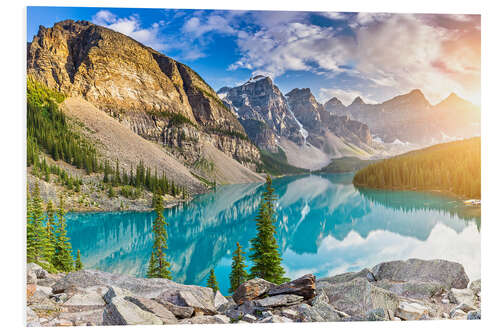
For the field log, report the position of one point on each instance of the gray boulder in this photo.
(252, 289)
(249, 318)
(277, 301)
(304, 286)
(475, 286)
(114, 291)
(149, 288)
(201, 299)
(123, 312)
(31, 277)
(180, 312)
(377, 315)
(84, 302)
(349, 276)
(84, 318)
(216, 319)
(412, 289)
(411, 311)
(155, 308)
(359, 296)
(458, 296)
(32, 319)
(450, 274)
(474, 315)
(39, 271)
(276, 319)
(219, 300)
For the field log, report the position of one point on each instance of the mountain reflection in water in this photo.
(325, 226)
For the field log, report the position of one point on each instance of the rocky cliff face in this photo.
(259, 99)
(317, 120)
(411, 118)
(305, 107)
(154, 95)
(296, 122)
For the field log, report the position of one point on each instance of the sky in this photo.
(373, 55)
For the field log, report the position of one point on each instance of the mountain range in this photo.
(221, 135)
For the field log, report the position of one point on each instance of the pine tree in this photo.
(151, 266)
(78, 262)
(50, 230)
(158, 262)
(37, 241)
(62, 258)
(212, 281)
(238, 274)
(265, 253)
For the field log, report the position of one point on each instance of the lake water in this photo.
(325, 226)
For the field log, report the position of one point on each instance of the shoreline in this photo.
(399, 290)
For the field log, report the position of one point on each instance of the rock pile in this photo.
(398, 290)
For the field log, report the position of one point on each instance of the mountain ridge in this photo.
(155, 96)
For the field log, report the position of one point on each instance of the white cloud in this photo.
(335, 15)
(131, 26)
(402, 51)
(292, 46)
(212, 23)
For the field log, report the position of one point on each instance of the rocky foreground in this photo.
(398, 290)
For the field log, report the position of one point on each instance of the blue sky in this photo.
(374, 55)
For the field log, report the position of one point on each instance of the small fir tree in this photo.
(50, 230)
(265, 251)
(78, 262)
(62, 258)
(37, 241)
(212, 281)
(238, 273)
(160, 267)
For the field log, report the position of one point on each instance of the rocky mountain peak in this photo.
(149, 92)
(334, 101)
(357, 101)
(260, 100)
(414, 98)
(453, 99)
(305, 107)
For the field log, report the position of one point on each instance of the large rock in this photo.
(252, 289)
(84, 318)
(85, 302)
(31, 277)
(276, 319)
(180, 312)
(32, 319)
(349, 276)
(201, 299)
(39, 271)
(143, 287)
(277, 301)
(123, 312)
(474, 315)
(114, 291)
(411, 311)
(412, 289)
(450, 274)
(220, 301)
(475, 286)
(216, 319)
(155, 308)
(358, 297)
(458, 296)
(304, 286)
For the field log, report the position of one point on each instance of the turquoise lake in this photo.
(325, 226)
